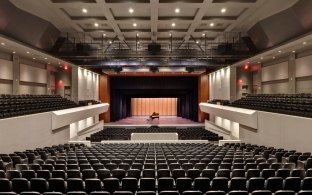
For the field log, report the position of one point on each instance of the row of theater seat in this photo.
(18, 105)
(133, 185)
(291, 104)
(191, 133)
(181, 167)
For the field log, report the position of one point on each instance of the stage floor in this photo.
(163, 121)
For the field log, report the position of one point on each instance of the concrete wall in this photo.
(219, 84)
(88, 85)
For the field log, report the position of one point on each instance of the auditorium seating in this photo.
(18, 105)
(88, 102)
(190, 133)
(77, 169)
(291, 104)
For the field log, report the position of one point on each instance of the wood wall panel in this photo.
(104, 92)
(146, 106)
(203, 95)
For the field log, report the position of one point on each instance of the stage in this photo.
(163, 121)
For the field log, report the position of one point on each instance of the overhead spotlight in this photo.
(13, 51)
(173, 24)
(259, 62)
(45, 58)
(177, 10)
(170, 34)
(304, 43)
(59, 62)
(279, 51)
(211, 24)
(223, 10)
(131, 10)
(96, 24)
(104, 35)
(137, 34)
(84, 10)
(110, 42)
(203, 34)
(197, 42)
(34, 58)
(294, 51)
(261, 57)
(27, 52)
(134, 24)
(273, 57)
(138, 42)
(3, 44)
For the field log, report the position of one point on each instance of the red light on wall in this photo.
(65, 67)
(60, 83)
(246, 67)
(240, 81)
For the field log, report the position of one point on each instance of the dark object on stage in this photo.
(154, 115)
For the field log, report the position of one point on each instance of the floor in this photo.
(163, 121)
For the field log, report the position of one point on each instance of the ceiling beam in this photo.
(110, 18)
(198, 18)
(154, 4)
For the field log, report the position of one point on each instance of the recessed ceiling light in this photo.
(223, 10)
(203, 34)
(27, 52)
(197, 42)
(170, 34)
(177, 10)
(259, 62)
(279, 51)
(137, 34)
(261, 57)
(211, 24)
(131, 10)
(173, 24)
(84, 10)
(304, 43)
(138, 42)
(104, 35)
(2, 43)
(45, 58)
(13, 51)
(134, 24)
(273, 57)
(96, 24)
(294, 51)
(59, 62)
(110, 42)
(34, 58)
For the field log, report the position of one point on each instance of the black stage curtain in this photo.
(125, 88)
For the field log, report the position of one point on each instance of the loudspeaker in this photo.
(154, 47)
(82, 47)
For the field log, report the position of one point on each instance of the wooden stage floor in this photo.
(163, 121)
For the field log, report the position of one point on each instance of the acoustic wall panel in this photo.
(146, 106)
(275, 72)
(304, 66)
(6, 69)
(33, 74)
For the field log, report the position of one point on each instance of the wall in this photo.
(280, 131)
(104, 93)
(289, 74)
(88, 85)
(244, 79)
(203, 95)
(30, 132)
(219, 84)
(6, 76)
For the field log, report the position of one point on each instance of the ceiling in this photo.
(113, 32)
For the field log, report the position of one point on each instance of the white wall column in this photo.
(292, 73)
(16, 75)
